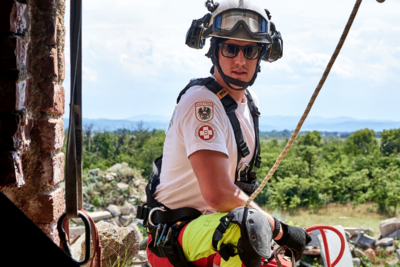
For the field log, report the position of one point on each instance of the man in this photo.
(210, 152)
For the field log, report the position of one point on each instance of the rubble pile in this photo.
(361, 248)
(118, 184)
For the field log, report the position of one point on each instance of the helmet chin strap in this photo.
(229, 81)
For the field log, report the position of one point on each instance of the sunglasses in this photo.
(232, 50)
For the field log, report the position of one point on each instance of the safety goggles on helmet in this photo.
(227, 20)
(244, 22)
(232, 50)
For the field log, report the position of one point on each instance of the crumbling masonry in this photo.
(31, 107)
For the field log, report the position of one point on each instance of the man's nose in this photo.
(240, 59)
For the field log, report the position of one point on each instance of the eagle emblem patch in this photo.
(204, 111)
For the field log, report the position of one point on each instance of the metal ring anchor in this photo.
(65, 239)
(151, 213)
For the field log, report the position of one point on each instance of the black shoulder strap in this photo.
(255, 113)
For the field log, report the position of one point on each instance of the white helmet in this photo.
(242, 20)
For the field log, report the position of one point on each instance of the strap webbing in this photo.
(73, 177)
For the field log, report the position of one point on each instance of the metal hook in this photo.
(65, 239)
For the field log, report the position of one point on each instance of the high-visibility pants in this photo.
(196, 242)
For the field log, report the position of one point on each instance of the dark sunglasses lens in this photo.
(229, 50)
(251, 52)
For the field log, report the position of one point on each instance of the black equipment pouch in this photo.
(256, 236)
(171, 248)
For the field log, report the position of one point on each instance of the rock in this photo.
(115, 167)
(389, 226)
(76, 231)
(109, 176)
(384, 242)
(395, 234)
(115, 221)
(353, 230)
(115, 211)
(128, 209)
(357, 262)
(348, 236)
(143, 198)
(370, 254)
(312, 252)
(117, 243)
(398, 253)
(125, 220)
(365, 241)
(391, 249)
(94, 171)
(143, 244)
(96, 216)
(122, 186)
(141, 258)
(138, 221)
(137, 182)
(138, 234)
(358, 253)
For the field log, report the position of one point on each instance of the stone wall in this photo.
(31, 108)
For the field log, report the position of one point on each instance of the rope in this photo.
(310, 103)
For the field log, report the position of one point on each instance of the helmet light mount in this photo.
(211, 6)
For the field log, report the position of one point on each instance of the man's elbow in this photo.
(218, 200)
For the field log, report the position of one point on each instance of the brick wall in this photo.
(31, 108)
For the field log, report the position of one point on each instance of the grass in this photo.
(364, 215)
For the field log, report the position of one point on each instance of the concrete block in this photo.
(96, 216)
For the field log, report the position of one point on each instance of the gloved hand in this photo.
(295, 238)
(248, 188)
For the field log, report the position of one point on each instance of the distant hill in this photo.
(267, 123)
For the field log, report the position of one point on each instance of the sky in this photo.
(135, 60)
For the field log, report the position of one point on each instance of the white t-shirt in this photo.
(199, 122)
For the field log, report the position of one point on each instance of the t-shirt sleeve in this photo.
(202, 124)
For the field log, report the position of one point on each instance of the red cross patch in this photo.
(206, 132)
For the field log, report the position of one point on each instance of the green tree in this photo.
(309, 149)
(362, 142)
(390, 142)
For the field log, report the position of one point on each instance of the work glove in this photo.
(294, 238)
(248, 188)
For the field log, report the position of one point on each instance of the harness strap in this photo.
(255, 113)
(167, 216)
(220, 230)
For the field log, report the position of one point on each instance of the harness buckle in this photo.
(244, 168)
(151, 213)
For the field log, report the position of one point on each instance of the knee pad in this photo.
(255, 232)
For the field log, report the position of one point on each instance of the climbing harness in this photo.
(73, 179)
(155, 214)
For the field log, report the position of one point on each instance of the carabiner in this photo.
(65, 239)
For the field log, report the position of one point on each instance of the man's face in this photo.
(239, 67)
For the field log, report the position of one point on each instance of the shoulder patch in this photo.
(206, 132)
(204, 111)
